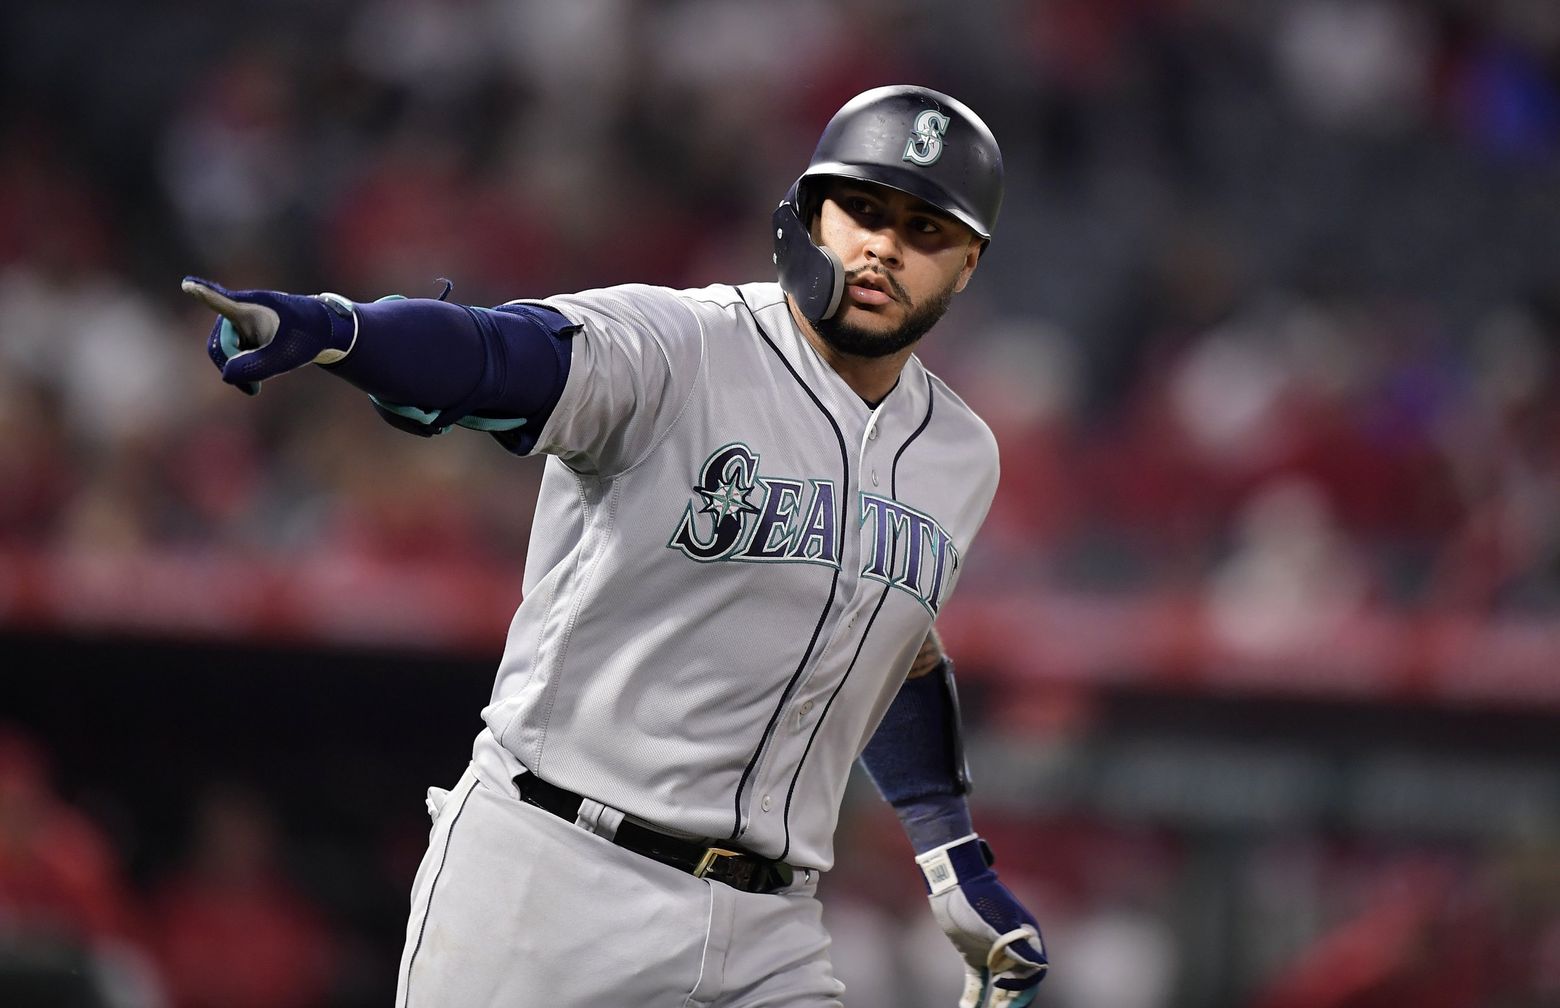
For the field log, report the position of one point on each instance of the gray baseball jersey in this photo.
(734, 562)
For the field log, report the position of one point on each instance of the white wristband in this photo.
(938, 868)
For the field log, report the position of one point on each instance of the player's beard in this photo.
(862, 342)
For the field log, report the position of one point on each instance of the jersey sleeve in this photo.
(636, 360)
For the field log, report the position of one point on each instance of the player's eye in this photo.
(924, 225)
(860, 206)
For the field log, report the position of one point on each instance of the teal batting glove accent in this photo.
(426, 418)
(490, 424)
(229, 339)
(228, 343)
(410, 412)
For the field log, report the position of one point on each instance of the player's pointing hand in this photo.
(262, 333)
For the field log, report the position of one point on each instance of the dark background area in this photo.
(340, 744)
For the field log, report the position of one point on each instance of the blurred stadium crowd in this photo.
(1268, 334)
(1270, 319)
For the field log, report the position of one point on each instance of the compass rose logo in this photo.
(729, 497)
(736, 514)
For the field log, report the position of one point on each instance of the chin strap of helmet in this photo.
(813, 276)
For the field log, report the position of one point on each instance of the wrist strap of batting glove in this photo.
(341, 308)
(945, 867)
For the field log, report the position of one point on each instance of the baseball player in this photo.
(756, 501)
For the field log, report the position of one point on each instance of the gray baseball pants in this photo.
(517, 908)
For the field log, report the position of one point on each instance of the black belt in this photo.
(736, 868)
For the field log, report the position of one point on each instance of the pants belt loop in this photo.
(602, 820)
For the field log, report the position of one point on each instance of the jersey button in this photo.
(766, 803)
(807, 707)
(872, 433)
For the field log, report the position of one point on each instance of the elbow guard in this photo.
(514, 362)
(918, 749)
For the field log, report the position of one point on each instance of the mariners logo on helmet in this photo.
(926, 141)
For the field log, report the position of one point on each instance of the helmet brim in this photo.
(912, 183)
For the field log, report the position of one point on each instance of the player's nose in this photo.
(882, 245)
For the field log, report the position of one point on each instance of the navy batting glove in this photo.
(262, 333)
(998, 938)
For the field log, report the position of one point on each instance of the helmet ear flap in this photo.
(813, 276)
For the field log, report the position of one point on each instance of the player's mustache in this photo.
(899, 292)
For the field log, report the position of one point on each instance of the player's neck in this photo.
(871, 378)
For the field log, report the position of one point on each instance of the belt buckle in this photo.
(711, 855)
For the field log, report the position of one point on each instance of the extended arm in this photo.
(426, 364)
(916, 759)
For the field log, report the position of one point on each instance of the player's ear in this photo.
(971, 260)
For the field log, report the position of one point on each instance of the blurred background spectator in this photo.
(71, 932)
(1262, 640)
(232, 930)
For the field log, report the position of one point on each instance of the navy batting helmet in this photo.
(909, 138)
